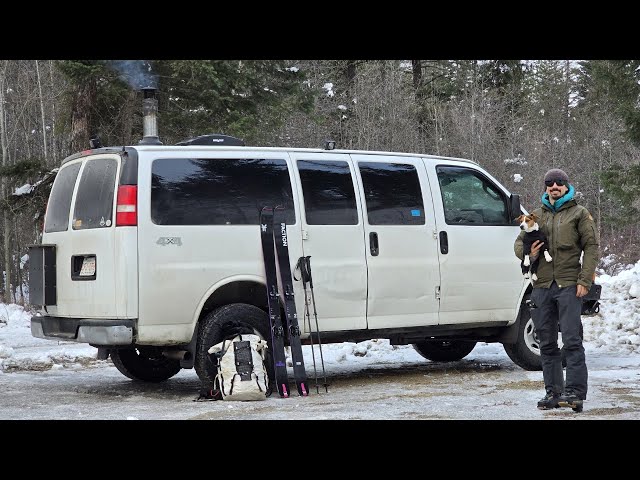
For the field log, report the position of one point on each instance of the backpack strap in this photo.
(243, 359)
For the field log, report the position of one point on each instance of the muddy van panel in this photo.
(198, 230)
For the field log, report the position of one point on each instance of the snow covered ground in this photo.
(368, 380)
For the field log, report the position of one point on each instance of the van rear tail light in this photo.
(127, 206)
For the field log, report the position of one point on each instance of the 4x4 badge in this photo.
(169, 241)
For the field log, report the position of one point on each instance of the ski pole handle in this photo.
(307, 261)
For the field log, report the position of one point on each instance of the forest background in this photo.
(516, 118)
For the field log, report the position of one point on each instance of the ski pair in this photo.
(273, 229)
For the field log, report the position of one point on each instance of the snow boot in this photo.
(570, 399)
(549, 401)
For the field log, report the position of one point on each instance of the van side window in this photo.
(471, 198)
(392, 193)
(94, 201)
(57, 219)
(206, 191)
(329, 197)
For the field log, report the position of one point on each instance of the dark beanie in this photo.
(556, 174)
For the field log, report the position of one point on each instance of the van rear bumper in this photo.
(93, 331)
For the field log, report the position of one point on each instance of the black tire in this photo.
(526, 351)
(444, 351)
(146, 364)
(220, 323)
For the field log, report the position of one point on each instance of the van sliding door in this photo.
(332, 232)
(402, 257)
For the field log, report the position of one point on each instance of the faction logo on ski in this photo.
(283, 229)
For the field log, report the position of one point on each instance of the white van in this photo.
(149, 250)
(152, 253)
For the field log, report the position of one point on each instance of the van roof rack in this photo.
(214, 139)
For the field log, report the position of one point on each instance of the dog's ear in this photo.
(534, 217)
(520, 219)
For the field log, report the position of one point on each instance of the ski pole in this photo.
(301, 265)
(315, 314)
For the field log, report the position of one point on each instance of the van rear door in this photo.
(80, 222)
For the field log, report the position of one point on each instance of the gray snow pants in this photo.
(555, 306)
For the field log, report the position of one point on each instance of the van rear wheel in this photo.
(144, 363)
(444, 351)
(216, 325)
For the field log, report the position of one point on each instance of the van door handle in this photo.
(444, 243)
(373, 244)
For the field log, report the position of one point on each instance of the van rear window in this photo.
(206, 191)
(94, 201)
(57, 218)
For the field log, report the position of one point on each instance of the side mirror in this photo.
(514, 206)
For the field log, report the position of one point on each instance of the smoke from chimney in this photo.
(137, 73)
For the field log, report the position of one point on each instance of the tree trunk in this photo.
(18, 262)
(4, 188)
(81, 115)
(416, 68)
(127, 120)
(44, 124)
(54, 158)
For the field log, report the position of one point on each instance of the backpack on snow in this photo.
(241, 372)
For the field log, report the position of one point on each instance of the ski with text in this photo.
(282, 251)
(277, 331)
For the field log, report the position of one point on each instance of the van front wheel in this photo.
(444, 351)
(144, 363)
(526, 351)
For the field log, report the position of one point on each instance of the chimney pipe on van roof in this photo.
(150, 121)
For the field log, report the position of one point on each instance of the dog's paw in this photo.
(534, 277)
(526, 262)
(547, 257)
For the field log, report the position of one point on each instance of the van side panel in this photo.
(126, 264)
(180, 264)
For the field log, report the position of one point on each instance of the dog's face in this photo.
(528, 223)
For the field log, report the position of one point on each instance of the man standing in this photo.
(558, 291)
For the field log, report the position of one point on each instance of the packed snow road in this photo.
(370, 380)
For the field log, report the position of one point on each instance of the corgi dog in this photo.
(529, 223)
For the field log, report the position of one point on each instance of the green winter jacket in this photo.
(570, 230)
